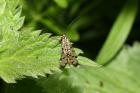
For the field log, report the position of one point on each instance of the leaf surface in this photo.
(120, 76)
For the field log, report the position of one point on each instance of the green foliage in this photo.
(19, 55)
(117, 77)
(30, 55)
(26, 53)
(121, 76)
(119, 32)
(35, 56)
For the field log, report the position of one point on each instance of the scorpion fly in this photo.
(68, 55)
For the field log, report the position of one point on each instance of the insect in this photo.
(68, 55)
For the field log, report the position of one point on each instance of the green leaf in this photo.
(119, 32)
(30, 55)
(121, 76)
(62, 3)
(29, 84)
(87, 62)
(10, 20)
(25, 53)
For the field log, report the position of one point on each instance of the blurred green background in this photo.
(86, 22)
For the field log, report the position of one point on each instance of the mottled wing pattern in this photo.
(68, 55)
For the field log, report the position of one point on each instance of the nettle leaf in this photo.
(10, 19)
(10, 22)
(25, 53)
(120, 76)
(28, 84)
(30, 55)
